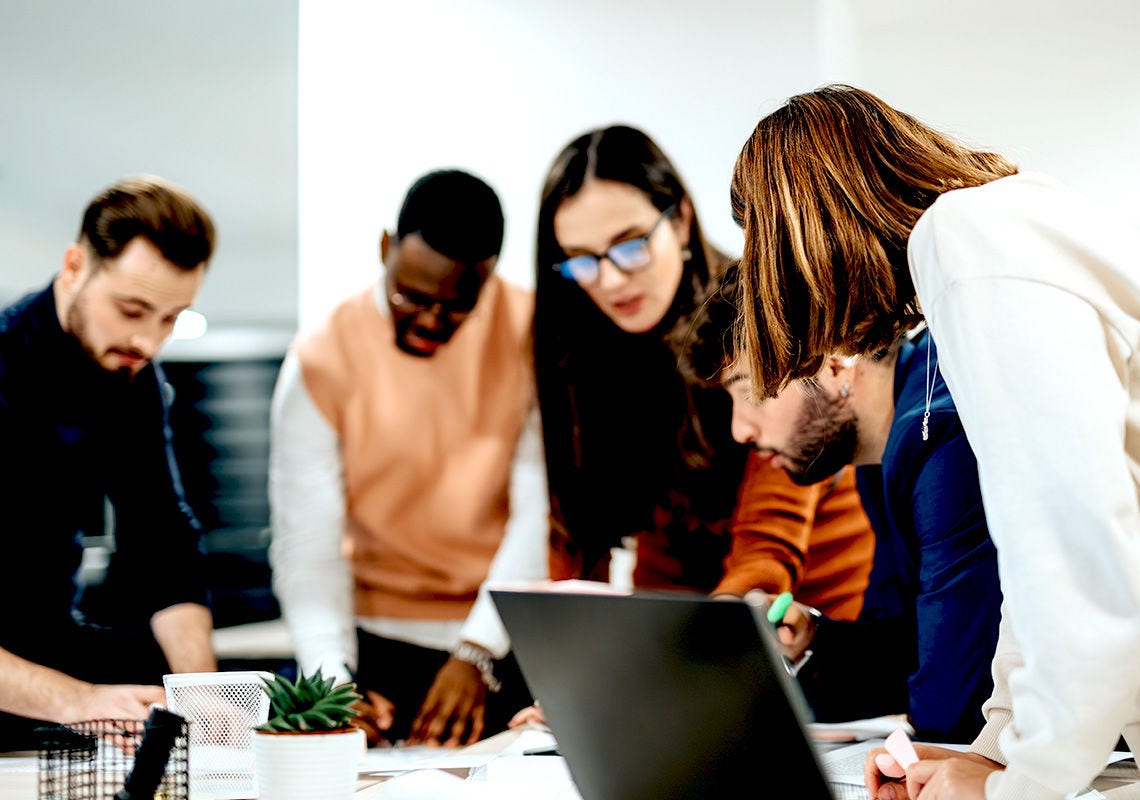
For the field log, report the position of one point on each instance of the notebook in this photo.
(659, 696)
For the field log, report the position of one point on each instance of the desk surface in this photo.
(404, 773)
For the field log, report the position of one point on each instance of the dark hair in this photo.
(455, 213)
(710, 347)
(625, 433)
(151, 207)
(828, 189)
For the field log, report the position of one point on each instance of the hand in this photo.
(949, 779)
(454, 705)
(531, 715)
(106, 701)
(797, 629)
(374, 716)
(933, 761)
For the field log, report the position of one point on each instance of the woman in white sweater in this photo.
(859, 221)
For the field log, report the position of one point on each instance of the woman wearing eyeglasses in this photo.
(632, 449)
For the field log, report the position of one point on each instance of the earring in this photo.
(845, 390)
(686, 254)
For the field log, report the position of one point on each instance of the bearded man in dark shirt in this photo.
(84, 423)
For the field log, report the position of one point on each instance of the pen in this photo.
(779, 607)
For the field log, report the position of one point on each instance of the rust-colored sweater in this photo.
(814, 541)
(427, 446)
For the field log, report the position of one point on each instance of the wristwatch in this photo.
(479, 658)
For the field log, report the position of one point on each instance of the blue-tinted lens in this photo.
(630, 254)
(583, 269)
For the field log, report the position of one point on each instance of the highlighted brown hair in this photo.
(827, 190)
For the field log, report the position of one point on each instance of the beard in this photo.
(825, 441)
(78, 325)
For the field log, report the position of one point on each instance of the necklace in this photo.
(929, 389)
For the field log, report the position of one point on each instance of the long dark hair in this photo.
(625, 434)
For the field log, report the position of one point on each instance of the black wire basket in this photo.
(92, 760)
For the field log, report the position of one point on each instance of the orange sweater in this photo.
(427, 446)
(815, 541)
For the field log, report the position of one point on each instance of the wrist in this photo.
(815, 618)
(480, 658)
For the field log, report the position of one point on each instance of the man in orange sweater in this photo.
(406, 468)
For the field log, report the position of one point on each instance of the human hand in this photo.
(797, 629)
(529, 715)
(919, 774)
(949, 779)
(454, 705)
(374, 715)
(111, 701)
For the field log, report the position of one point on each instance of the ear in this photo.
(838, 366)
(684, 221)
(385, 244)
(71, 272)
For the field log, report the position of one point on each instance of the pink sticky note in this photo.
(901, 756)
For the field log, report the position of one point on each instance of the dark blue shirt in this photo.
(72, 435)
(926, 636)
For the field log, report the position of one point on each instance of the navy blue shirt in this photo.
(71, 435)
(926, 636)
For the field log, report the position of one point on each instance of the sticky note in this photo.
(901, 755)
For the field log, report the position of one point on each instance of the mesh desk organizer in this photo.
(222, 708)
(95, 760)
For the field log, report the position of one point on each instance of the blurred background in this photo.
(300, 123)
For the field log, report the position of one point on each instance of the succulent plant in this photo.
(311, 705)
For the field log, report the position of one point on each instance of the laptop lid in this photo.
(662, 695)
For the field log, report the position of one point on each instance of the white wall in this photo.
(203, 93)
(1052, 83)
(389, 91)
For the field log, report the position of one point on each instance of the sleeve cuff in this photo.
(986, 744)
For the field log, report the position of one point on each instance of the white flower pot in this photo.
(307, 766)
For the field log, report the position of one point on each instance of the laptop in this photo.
(663, 696)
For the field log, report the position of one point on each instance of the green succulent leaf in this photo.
(311, 704)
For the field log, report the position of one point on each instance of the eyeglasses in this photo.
(415, 303)
(628, 256)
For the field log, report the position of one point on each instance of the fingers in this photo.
(884, 784)
(872, 777)
(758, 598)
(529, 715)
(889, 766)
(374, 716)
(383, 710)
(919, 774)
(796, 630)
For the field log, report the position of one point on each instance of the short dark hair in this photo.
(455, 213)
(151, 207)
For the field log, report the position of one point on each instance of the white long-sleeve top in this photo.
(1033, 296)
(311, 575)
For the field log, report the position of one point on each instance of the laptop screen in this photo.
(663, 695)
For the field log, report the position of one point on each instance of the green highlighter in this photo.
(779, 607)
